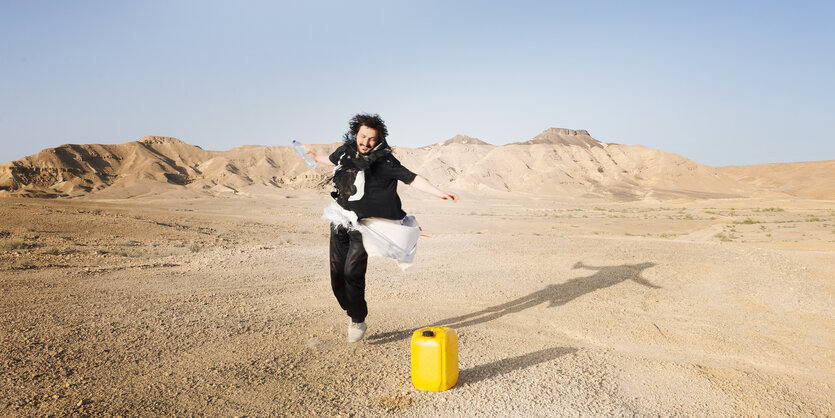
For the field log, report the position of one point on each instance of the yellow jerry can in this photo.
(434, 358)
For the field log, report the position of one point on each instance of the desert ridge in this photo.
(556, 163)
(810, 180)
(570, 163)
(152, 165)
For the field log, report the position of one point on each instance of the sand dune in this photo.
(557, 162)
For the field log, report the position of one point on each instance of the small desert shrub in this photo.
(52, 251)
(119, 253)
(722, 237)
(813, 218)
(12, 245)
(747, 221)
(194, 247)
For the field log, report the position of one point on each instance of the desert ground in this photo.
(222, 307)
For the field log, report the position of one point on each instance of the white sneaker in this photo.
(355, 331)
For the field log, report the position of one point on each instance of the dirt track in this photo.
(222, 307)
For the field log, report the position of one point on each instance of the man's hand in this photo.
(423, 185)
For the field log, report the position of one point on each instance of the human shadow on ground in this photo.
(554, 295)
(490, 370)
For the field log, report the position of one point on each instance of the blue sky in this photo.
(722, 83)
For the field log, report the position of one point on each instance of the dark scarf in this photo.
(351, 163)
(363, 161)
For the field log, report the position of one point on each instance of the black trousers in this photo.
(348, 264)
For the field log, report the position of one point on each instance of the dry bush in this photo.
(14, 244)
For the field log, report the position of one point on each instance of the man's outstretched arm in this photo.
(321, 159)
(424, 185)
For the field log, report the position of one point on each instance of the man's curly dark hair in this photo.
(374, 122)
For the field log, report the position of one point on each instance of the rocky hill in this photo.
(463, 139)
(556, 163)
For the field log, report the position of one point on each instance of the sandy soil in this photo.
(222, 307)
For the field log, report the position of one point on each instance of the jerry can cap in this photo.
(428, 333)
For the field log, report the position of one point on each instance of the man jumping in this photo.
(366, 184)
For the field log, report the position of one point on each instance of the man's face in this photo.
(366, 139)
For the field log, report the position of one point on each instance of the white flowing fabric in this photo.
(395, 239)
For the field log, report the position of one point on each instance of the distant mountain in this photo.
(811, 180)
(556, 163)
(560, 136)
(142, 167)
(463, 139)
(570, 163)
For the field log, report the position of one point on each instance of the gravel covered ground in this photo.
(223, 307)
